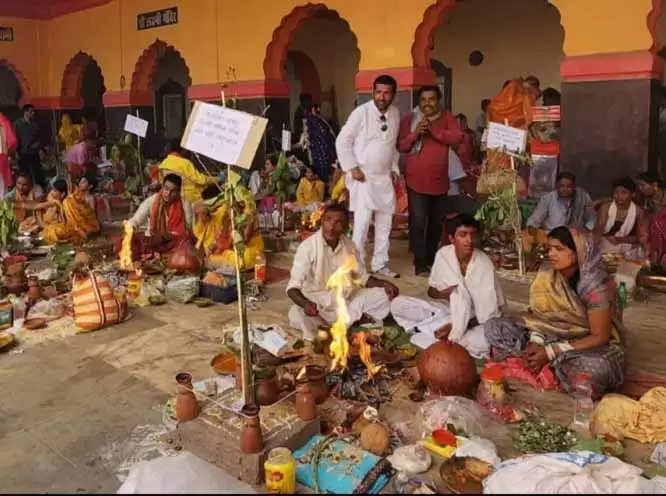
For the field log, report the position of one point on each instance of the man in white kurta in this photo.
(367, 152)
(316, 259)
(464, 291)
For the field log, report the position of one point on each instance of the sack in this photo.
(183, 289)
(95, 304)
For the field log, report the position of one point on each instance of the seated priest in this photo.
(622, 226)
(463, 289)
(212, 228)
(168, 218)
(573, 323)
(194, 181)
(316, 259)
(28, 200)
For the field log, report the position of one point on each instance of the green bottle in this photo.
(622, 295)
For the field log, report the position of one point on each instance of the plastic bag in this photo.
(148, 289)
(476, 447)
(182, 289)
(411, 459)
(48, 309)
(464, 414)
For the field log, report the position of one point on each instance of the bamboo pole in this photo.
(140, 167)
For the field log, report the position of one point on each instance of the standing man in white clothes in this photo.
(367, 152)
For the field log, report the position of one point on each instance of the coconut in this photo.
(375, 438)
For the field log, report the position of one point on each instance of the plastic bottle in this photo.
(584, 405)
(260, 268)
(622, 295)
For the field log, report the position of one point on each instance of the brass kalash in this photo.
(343, 283)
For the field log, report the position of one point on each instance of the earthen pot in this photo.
(316, 377)
(34, 290)
(251, 439)
(187, 407)
(16, 285)
(305, 402)
(266, 390)
(447, 368)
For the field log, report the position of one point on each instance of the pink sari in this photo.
(10, 143)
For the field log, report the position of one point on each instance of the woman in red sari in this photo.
(8, 142)
(654, 205)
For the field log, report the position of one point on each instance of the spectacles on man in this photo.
(384, 125)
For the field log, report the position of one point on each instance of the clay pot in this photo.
(305, 402)
(15, 284)
(316, 377)
(251, 439)
(266, 390)
(34, 290)
(186, 403)
(447, 368)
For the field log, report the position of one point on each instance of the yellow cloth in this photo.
(56, 228)
(309, 192)
(207, 231)
(69, 133)
(194, 181)
(253, 248)
(643, 420)
(80, 216)
(338, 188)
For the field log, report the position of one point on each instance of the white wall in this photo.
(516, 37)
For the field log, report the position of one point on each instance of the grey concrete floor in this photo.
(66, 404)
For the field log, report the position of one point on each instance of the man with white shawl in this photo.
(317, 259)
(464, 291)
(622, 226)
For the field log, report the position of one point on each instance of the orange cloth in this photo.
(167, 219)
(513, 104)
(79, 214)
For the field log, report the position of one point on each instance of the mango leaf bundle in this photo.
(539, 436)
(282, 180)
(8, 223)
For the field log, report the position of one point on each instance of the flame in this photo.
(126, 249)
(301, 374)
(341, 281)
(365, 352)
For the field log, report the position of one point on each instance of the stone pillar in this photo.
(609, 117)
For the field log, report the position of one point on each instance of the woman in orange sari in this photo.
(79, 209)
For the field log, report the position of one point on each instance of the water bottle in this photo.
(622, 295)
(584, 405)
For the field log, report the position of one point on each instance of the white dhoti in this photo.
(371, 301)
(429, 316)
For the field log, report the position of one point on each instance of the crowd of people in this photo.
(354, 177)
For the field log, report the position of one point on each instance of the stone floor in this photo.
(69, 406)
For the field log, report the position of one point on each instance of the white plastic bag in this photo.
(182, 474)
(411, 459)
(476, 447)
(183, 289)
(464, 414)
(569, 473)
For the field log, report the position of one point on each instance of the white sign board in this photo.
(510, 138)
(223, 134)
(286, 140)
(136, 126)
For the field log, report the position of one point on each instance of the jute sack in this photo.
(95, 304)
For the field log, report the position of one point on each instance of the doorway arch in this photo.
(142, 88)
(21, 82)
(82, 82)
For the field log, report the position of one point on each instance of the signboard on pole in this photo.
(286, 140)
(223, 134)
(511, 139)
(135, 125)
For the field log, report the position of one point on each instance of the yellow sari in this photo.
(56, 228)
(69, 133)
(79, 214)
(216, 229)
(29, 220)
(194, 181)
(309, 192)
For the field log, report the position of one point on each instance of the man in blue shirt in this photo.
(568, 205)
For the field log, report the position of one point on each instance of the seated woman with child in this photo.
(573, 323)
